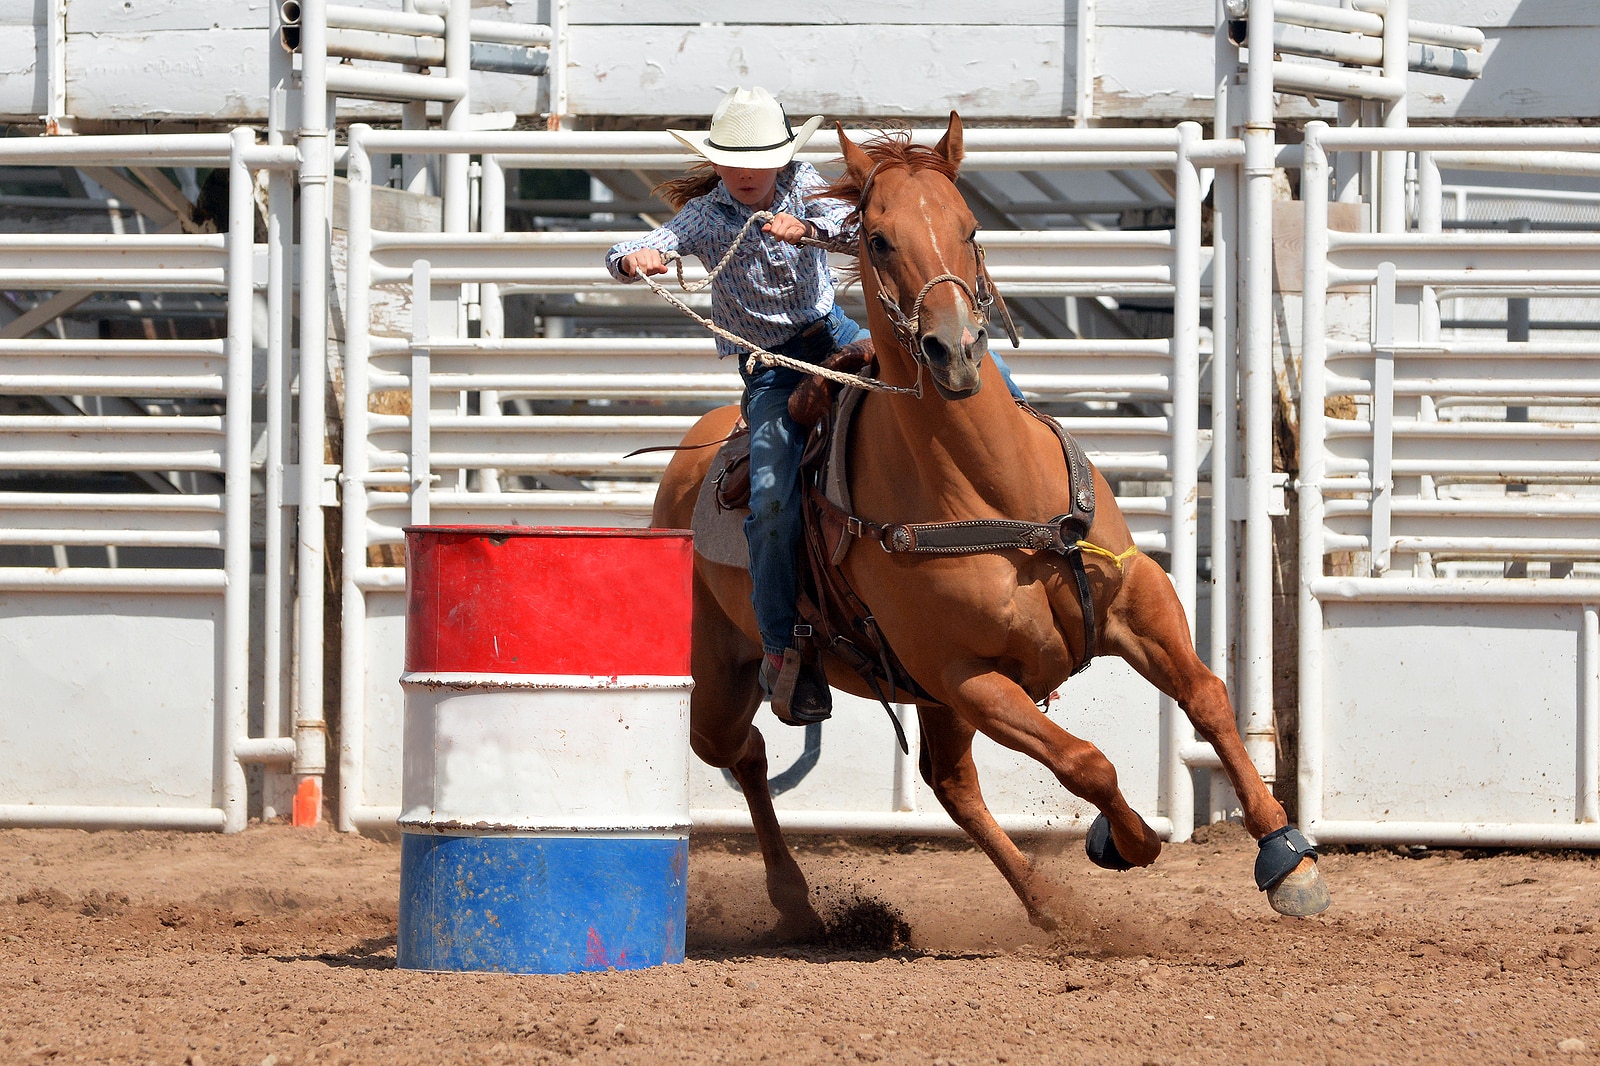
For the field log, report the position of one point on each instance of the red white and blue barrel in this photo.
(545, 803)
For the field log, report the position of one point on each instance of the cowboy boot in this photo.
(797, 688)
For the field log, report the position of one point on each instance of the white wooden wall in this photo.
(136, 60)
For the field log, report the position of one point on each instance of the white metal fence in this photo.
(1436, 707)
(471, 457)
(1448, 498)
(126, 677)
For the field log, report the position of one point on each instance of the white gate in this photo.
(473, 458)
(126, 670)
(1449, 522)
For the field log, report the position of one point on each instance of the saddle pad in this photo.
(836, 476)
(719, 534)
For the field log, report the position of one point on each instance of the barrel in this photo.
(545, 797)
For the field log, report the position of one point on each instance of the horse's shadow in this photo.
(819, 952)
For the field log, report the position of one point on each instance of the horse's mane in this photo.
(887, 151)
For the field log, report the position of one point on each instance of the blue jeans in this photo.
(773, 527)
(1005, 372)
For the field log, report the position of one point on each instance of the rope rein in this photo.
(758, 354)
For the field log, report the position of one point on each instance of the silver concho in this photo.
(1038, 538)
(901, 538)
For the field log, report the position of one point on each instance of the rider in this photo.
(778, 295)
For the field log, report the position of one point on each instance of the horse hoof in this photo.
(1302, 893)
(808, 929)
(1101, 848)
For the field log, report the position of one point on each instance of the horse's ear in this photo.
(950, 145)
(856, 161)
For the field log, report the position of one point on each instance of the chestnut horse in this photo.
(986, 635)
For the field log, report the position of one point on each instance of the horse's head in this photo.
(920, 259)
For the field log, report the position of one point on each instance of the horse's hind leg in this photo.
(1147, 628)
(948, 768)
(722, 710)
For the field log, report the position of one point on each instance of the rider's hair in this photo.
(678, 191)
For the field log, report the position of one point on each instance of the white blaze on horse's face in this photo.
(923, 257)
(928, 243)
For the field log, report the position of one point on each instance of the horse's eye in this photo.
(877, 245)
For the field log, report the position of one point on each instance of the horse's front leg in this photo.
(722, 709)
(1146, 627)
(948, 769)
(999, 709)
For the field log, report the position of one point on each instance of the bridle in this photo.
(907, 327)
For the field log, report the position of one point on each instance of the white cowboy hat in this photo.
(750, 129)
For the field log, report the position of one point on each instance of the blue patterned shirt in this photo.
(770, 290)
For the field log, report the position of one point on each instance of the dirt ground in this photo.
(275, 947)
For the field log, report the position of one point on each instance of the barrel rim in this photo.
(553, 532)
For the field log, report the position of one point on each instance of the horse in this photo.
(986, 636)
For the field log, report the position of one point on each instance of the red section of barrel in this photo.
(548, 600)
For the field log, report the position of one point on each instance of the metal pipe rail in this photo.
(192, 369)
(555, 368)
(1030, 262)
(342, 16)
(1364, 18)
(87, 442)
(524, 148)
(159, 262)
(1358, 38)
(595, 446)
(322, 32)
(1368, 52)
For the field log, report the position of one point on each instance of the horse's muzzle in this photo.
(955, 367)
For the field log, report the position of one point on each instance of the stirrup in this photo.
(815, 703)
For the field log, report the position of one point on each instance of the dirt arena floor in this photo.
(275, 947)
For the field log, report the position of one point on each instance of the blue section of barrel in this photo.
(541, 904)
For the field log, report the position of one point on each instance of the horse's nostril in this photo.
(933, 349)
(979, 345)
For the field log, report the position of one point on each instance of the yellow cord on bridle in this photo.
(1116, 557)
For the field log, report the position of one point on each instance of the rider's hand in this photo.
(787, 228)
(644, 261)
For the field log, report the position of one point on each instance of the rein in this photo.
(758, 354)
